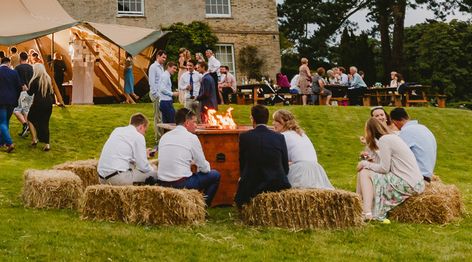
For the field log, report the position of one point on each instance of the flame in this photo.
(221, 121)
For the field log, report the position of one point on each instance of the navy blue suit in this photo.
(10, 89)
(263, 162)
(207, 94)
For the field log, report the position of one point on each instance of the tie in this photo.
(191, 84)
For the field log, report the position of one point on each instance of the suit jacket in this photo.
(207, 93)
(263, 162)
(10, 86)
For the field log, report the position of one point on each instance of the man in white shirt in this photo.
(227, 84)
(190, 83)
(123, 160)
(166, 94)
(155, 71)
(214, 69)
(179, 150)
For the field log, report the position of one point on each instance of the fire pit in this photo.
(220, 144)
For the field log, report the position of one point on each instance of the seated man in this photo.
(263, 159)
(420, 140)
(179, 149)
(227, 84)
(123, 160)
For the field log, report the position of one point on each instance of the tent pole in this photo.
(119, 62)
(52, 46)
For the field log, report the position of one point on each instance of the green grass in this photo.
(78, 132)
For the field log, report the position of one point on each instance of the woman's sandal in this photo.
(34, 143)
(367, 217)
(47, 147)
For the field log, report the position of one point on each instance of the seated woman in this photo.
(396, 176)
(304, 171)
(379, 113)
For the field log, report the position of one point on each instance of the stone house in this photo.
(237, 23)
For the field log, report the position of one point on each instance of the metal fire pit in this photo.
(221, 148)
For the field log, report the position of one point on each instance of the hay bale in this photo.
(150, 205)
(438, 204)
(102, 202)
(85, 169)
(51, 189)
(304, 209)
(154, 205)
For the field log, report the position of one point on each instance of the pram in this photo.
(270, 94)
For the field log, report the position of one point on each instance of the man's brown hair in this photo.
(138, 119)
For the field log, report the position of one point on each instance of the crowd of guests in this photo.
(26, 91)
(399, 158)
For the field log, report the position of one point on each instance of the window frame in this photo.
(130, 13)
(207, 15)
(232, 56)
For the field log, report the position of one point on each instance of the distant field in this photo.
(79, 132)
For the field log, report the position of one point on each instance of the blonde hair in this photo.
(287, 120)
(304, 61)
(44, 80)
(374, 129)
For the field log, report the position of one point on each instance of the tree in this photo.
(196, 37)
(250, 62)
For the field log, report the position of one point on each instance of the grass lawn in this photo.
(79, 132)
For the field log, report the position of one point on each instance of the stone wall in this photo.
(251, 22)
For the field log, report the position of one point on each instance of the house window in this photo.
(130, 7)
(225, 54)
(218, 8)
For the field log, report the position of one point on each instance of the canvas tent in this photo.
(32, 23)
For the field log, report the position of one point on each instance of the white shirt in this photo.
(165, 87)
(294, 82)
(185, 81)
(213, 64)
(124, 148)
(344, 79)
(177, 150)
(155, 72)
(299, 147)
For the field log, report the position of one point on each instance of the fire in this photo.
(221, 121)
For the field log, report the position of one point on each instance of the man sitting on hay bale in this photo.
(263, 159)
(179, 150)
(420, 140)
(123, 160)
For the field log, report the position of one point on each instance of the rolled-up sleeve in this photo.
(140, 156)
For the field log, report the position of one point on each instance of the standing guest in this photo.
(190, 83)
(60, 69)
(282, 82)
(179, 150)
(263, 159)
(166, 94)
(227, 84)
(304, 80)
(25, 71)
(420, 140)
(14, 57)
(318, 86)
(206, 95)
(40, 112)
(123, 160)
(304, 170)
(10, 88)
(199, 57)
(213, 69)
(129, 80)
(35, 59)
(395, 178)
(155, 71)
(184, 57)
(357, 87)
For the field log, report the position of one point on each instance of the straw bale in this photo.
(51, 189)
(304, 209)
(85, 169)
(438, 204)
(154, 205)
(102, 202)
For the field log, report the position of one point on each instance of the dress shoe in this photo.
(10, 148)
(46, 147)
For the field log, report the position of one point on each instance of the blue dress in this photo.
(129, 78)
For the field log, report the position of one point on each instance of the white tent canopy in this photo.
(24, 20)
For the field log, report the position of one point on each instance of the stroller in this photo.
(271, 96)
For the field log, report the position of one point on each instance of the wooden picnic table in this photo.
(387, 95)
(248, 92)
